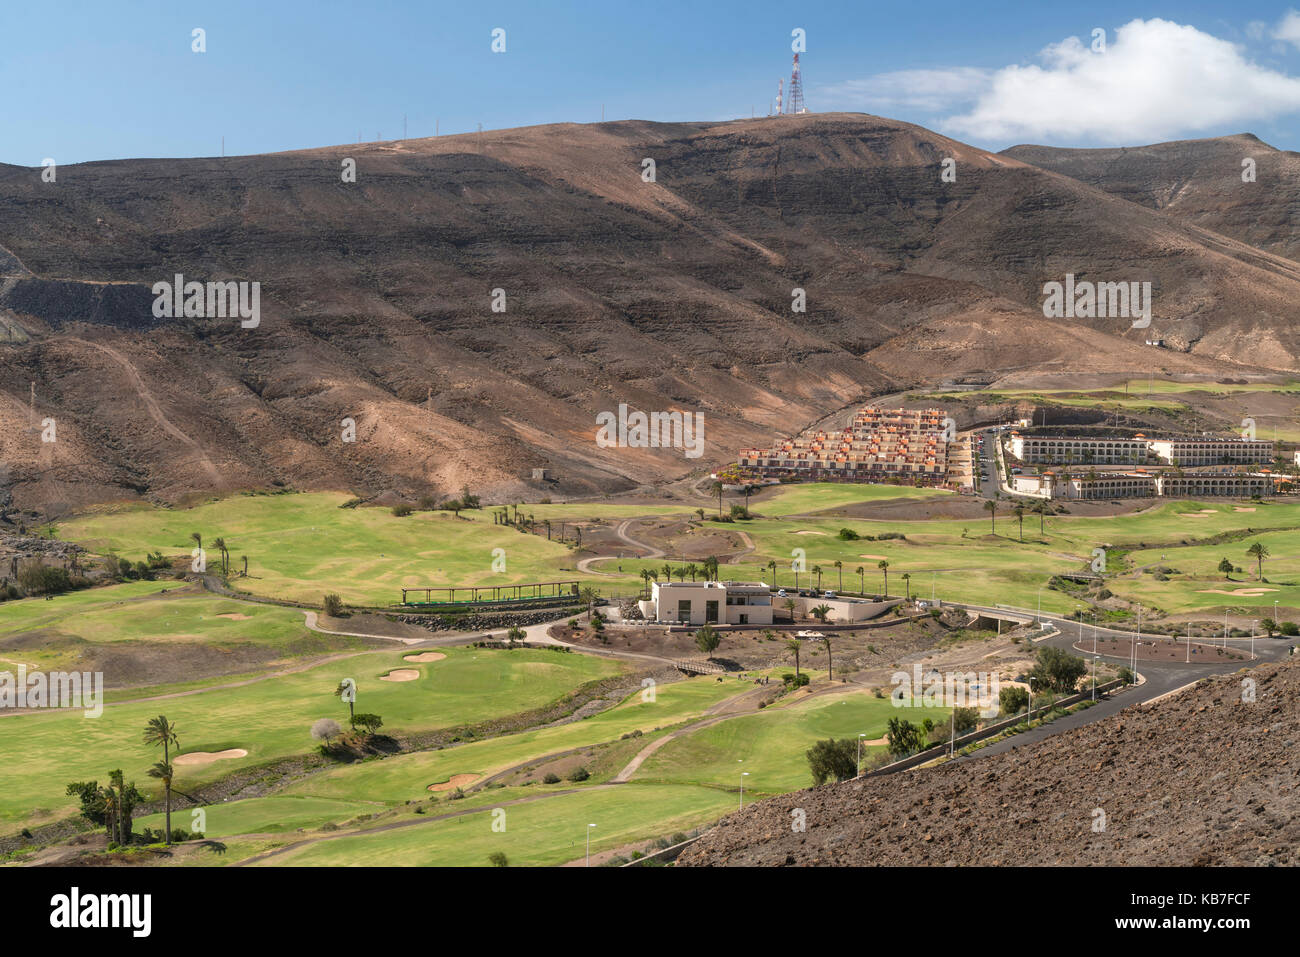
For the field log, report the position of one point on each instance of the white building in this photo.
(719, 603)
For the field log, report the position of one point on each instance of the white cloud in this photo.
(1157, 80)
(1288, 30)
(931, 90)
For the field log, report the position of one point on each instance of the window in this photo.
(684, 609)
(711, 611)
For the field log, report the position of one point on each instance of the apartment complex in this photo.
(1143, 484)
(1186, 452)
(878, 445)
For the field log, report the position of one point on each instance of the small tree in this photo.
(833, 760)
(333, 605)
(903, 737)
(1012, 700)
(326, 730)
(821, 611)
(1259, 552)
(161, 733)
(1058, 670)
(707, 639)
(794, 646)
(370, 723)
(498, 859)
(1225, 566)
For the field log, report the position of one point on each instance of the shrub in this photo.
(333, 605)
(579, 774)
(498, 859)
(833, 759)
(403, 510)
(1012, 700)
(551, 778)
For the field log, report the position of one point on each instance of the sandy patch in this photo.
(457, 780)
(884, 740)
(1239, 592)
(809, 533)
(426, 656)
(1239, 508)
(1202, 513)
(879, 558)
(207, 757)
(401, 674)
(236, 616)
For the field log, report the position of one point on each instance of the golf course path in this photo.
(311, 624)
(621, 532)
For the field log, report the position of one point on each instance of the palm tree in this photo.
(794, 645)
(1041, 509)
(245, 558)
(862, 580)
(839, 567)
(700, 513)
(668, 572)
(907, 583)
(164, 772)
(338, 693)
(692, 569)
(220, 545)
(772, 565)
(884, 567)
(547, 523)
(820, 612)
(1259, 552)
(992, 508)
(830, 664)
(717, 487)
(160, 732)
(645, 577)
(790, 606)
(197, 539)
(589, 595)
(1019, 513)
(817, 570)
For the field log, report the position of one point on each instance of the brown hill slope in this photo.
(667, 295)
(1198, 181)
(1199, 778)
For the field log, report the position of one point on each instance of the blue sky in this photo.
(107, 80)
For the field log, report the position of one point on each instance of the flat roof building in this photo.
(718, 603)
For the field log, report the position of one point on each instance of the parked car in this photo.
(829, 594)
(781, 593)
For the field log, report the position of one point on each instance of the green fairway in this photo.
(825, 496)
(301, 546)
(55, 633)
(272, 718)
(548, 831)
(771, 744)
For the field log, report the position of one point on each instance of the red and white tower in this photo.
(780, 86)
(796, 89)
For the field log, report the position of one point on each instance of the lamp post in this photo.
(1189, 643)
(1094, 678)
(1252, 637)
(1029, 715)
(1078, 613)
(743, 775)
(860, 737)
(1040, 606)
(1094, 632)
(589, 827)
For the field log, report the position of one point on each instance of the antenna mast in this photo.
(796, 89)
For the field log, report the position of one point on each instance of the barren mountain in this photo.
(377, 301)
(1201, 778)
(1199, 181)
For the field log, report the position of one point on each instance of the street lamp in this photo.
(1189, 642)
(1029, 715)
(1094, 632)
(860, 737)
(589, 827)
(1040, 606)
(743, 775)
(1094, 678)
(1252, 637)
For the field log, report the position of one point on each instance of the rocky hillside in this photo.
(1200, 778)
(377, 301)
(1198, 181)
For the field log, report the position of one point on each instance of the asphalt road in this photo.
(1160, 676)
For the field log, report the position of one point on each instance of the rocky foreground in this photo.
(1201, 778)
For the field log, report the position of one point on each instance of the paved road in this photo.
(1160, 677)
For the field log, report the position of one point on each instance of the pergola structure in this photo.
(492, 593)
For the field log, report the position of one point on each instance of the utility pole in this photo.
(403, 126)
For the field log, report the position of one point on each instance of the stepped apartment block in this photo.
(880, 445)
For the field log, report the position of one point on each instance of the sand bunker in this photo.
(401, 674)
(426, 656)
(1238, 593)
(1240, 508)
(235, 616)
(207, 757)
(457, 780)
(879, 558)
(1203, 512)
(810, 533)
